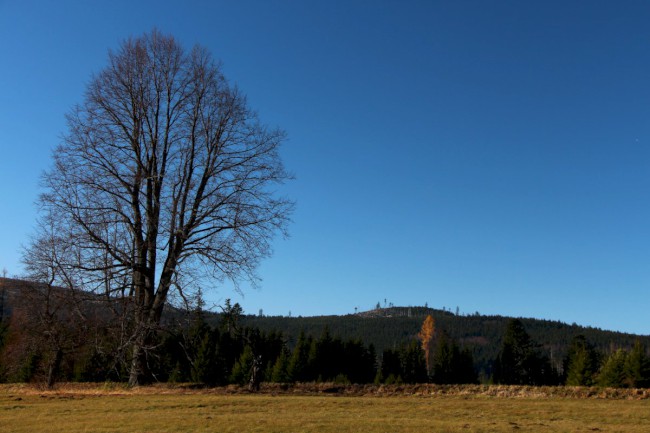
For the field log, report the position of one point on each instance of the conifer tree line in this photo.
(522, 362)
(190, 349)
(194, 351)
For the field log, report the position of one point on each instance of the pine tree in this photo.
(280, 372)
(204, 367)
(444, 358)
(465, 367)
(520, 362)
(450, 364)
(637, 367)
(414, 369)
(510, 366)
(326, 357)
(612, 373)
(581, 363)
(359, 362)
(390, 365)
(201, 345)
(298, 363)
(241, 370)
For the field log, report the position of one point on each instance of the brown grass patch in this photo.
(310, 389)
(320, 408)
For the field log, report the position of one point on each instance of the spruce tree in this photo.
(414, 369)
(391, 368)
(280, 372)
(241, 370)
(612, 373)
(203, 360)
(450, 364)
(637, 367)
(581, 363)
(511, 365)
(520, 362)
(298, 363)
(444, 359)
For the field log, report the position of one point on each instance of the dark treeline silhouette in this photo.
(523, 362)
(43, 339)
(389, 328)
(189, 348)
(192, 350)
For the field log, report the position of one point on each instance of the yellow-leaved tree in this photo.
(426, 336)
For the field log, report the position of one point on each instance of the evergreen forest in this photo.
(49, 342)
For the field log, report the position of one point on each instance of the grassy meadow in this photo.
(117, 409)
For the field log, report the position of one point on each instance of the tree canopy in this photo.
(165, 179)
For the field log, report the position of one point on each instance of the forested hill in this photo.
(388, 328)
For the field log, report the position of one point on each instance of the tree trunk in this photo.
(135, 375)
(53, 368)
(254, 382)
(139, 373)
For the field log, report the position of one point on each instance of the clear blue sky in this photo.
(490, 155)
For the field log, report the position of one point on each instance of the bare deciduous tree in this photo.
(165, 173)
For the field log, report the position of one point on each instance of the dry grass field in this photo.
(114, 408)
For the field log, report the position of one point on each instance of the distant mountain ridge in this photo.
(388, 328)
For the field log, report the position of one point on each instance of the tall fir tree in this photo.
(391, 367)
(298, 368)
(581, 363)
(414, 369)
(241, 371)
(520, 361)
(280, 371)
(612, 373)
(450, 364)
(637, 367)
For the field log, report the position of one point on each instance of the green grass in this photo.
(118, 410)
